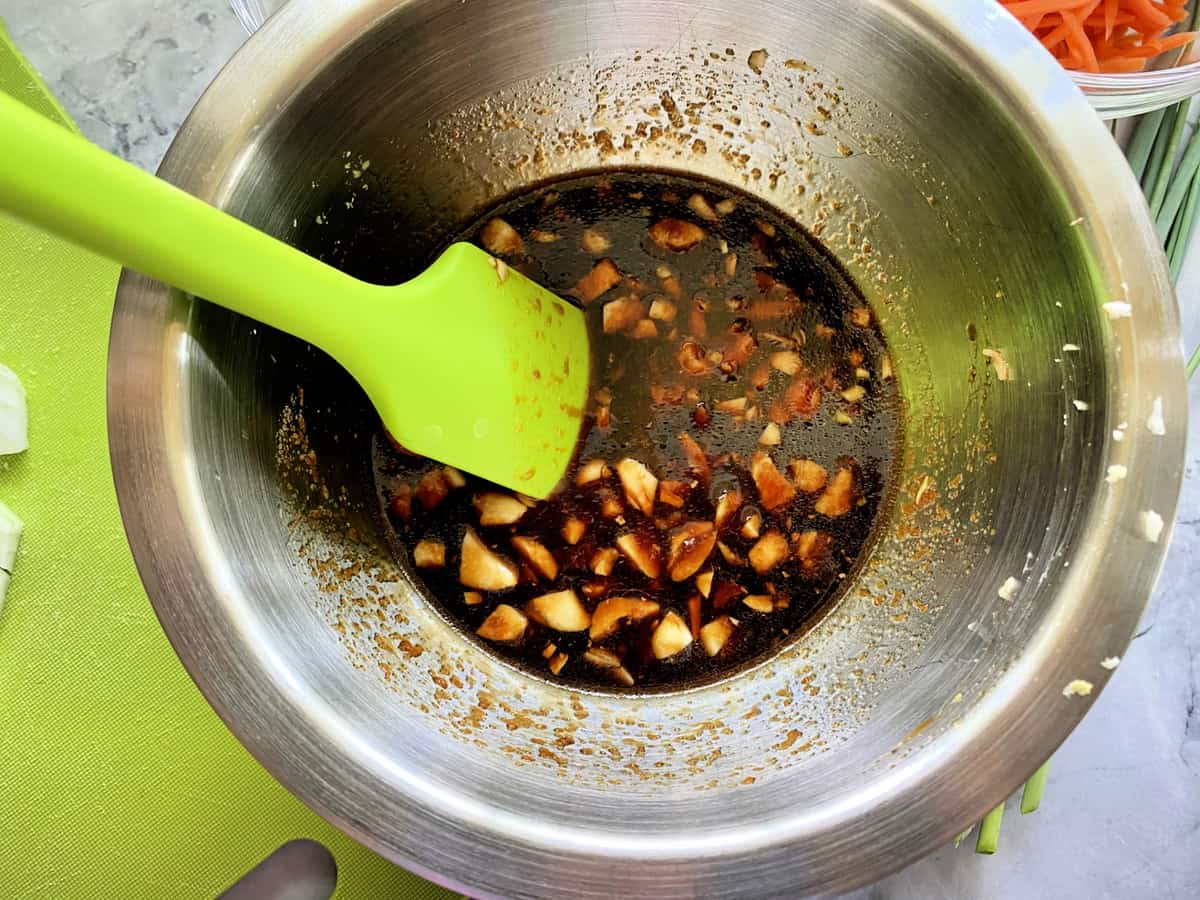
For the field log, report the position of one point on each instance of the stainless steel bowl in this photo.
(962, 180)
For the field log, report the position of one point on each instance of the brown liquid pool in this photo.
(736, 452)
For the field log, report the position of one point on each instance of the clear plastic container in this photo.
(1117, 96)
(1112, 96)
(252, 13)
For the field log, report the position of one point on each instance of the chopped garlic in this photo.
(1150, 524)
(1116, 473)
(999, 364)
(1110, 662)
(10, 537)
(1156, 424)
(1009, 589)
(1078, 688)
(1118, 309)
(1081, 405)
(924, 486)
(14, 419)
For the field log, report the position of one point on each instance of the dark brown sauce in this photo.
(779, 347)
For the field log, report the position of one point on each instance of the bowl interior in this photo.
(957, 217)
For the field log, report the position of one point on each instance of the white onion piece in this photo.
(14, 420)
(10, 537)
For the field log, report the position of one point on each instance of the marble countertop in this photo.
(1122, 812)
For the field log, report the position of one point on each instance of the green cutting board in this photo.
(116, 779)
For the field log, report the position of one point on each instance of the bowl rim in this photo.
(159, 506)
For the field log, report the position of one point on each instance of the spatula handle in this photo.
(58, 181)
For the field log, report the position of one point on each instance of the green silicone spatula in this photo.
(469, 363)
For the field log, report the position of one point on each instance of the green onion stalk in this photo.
(1169, 178)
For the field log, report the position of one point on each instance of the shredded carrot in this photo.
(1104, 35)
(1078, 40)
(1112, 13)
(1023, 8)
(1055, 37)
(1122, 65)
(1174, 40)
